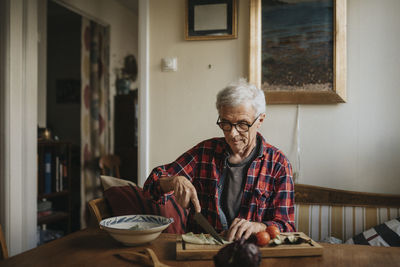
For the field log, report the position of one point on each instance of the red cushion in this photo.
(129, 200)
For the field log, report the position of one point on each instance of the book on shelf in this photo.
(44, 205)
(60, 174)
(55, 176)
(41, 214)
(47, 173)
(65, 174)
(57, 189)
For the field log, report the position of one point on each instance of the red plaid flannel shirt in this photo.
(268, 192)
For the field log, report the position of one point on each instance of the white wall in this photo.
(182, 103)
(353, 146)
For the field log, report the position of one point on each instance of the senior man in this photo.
(240, 183)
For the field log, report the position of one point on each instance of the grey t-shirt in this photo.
(235, 179)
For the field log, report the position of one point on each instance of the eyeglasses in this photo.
(241, 127)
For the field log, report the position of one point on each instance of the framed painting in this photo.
(298, 50)
(210, 19)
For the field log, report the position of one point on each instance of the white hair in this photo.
(241, 92)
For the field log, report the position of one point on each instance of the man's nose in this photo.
(233, 131)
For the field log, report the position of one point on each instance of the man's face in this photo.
(240, 141)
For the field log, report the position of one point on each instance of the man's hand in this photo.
(242, 227)
(184, 191)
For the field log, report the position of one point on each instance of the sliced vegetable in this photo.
(201, 239)
(292, 238)
(295, 239)
(277, 240)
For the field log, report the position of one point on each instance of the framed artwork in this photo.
(298, 50)
(210, 19)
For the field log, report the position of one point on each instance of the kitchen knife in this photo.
(199, 218)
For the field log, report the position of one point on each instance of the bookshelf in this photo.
(54, 190)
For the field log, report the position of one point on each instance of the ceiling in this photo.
(130, 4)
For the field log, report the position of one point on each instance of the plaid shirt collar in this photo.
(261, 152)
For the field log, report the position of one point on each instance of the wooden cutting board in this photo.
(187, 251)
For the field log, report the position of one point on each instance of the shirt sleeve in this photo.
(183, 166)
(283, 202)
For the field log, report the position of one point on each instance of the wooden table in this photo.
(96, 248)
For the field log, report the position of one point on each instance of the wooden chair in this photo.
(99, 209)
(4, 251)
(109, 165)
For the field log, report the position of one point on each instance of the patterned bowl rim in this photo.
(166, 222)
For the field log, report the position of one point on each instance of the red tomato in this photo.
(262, 238)
(273, 231)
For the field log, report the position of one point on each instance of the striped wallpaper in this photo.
(343, 222)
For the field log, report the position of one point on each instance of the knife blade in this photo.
(199, 218)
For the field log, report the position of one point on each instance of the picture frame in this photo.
(210, 19)
(312, 91)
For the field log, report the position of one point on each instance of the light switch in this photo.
(169, 64)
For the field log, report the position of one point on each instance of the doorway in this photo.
(64, 90)
(59, 143)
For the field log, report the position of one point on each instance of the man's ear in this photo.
(261, 119)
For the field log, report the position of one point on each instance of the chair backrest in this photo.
(4, 251)
(99, 209)
(109, 165)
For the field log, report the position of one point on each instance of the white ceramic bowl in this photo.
(133, 230)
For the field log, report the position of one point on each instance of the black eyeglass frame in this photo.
(235, 124)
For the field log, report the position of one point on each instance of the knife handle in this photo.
(191, 206)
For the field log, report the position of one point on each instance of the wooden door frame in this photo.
(19, 87)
